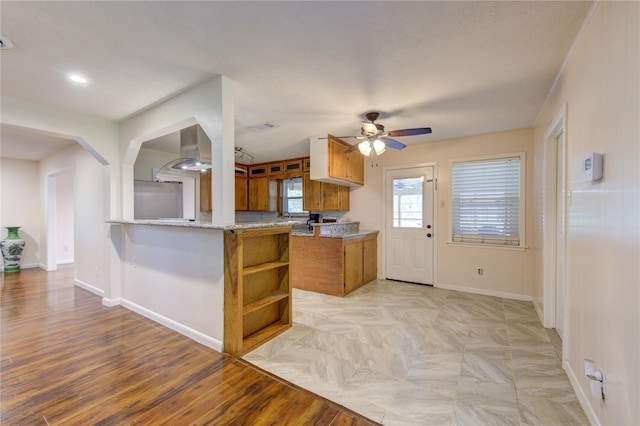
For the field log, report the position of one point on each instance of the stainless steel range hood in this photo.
(195, 152)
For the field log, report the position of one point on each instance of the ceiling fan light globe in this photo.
(379, 146)
(365, 148)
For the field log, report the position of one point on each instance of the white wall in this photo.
(65, 217)
(176, 277)
(210, 104)
(600, 86)
(506, 272)
(91, 184)
(20, 205)
(97, 135)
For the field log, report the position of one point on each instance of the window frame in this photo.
(522, 202)
(285, 198)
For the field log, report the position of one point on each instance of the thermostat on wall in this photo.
(591, 167)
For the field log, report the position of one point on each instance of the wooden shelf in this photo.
(261, 303)
(263, 267)
(257, 291)
(264, 334)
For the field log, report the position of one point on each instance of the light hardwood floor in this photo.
(66, 359)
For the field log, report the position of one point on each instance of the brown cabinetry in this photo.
(332, 163)
(259, 194)
(335, 266)
(293, 168)
(258, 170)
(276, 169)
(257, 295)
(206, 204)
(241, 188)
(360, 263)
(320, 196)
(311, 194)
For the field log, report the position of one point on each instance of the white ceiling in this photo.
(307, 67)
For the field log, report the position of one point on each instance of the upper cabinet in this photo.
(323, 196)
(332, 163)
(242, 188)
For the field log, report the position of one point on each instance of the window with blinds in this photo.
(487, 203)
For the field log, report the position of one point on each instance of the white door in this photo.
(560, 234)
(409, 228)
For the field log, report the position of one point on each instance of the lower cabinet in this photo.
(257, 294)
(335, 266)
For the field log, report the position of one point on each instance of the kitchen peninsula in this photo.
(334, 258)
(192, 277)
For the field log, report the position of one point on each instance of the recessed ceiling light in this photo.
(77, 78)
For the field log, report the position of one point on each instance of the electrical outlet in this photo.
(480, 271)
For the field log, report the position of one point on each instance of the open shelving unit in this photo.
(257, 294)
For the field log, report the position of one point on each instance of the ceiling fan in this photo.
(375, 139)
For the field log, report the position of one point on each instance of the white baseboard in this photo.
(584, 400)
(93, 289)
(485, 292)
(538, 311)
(64, 261)
(111, 302)
(167, 322)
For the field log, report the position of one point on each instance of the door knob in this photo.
(428, 226)
(429, 235)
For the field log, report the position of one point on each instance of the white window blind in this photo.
(486, 201)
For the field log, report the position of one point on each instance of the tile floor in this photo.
(405, 354)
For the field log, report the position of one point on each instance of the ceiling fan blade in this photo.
(411, 132)
(392, 143)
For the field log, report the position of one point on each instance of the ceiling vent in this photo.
(5, 42)
(261, 127)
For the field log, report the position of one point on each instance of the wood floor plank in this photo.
(67, 359)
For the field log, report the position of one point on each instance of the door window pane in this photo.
(407, 202)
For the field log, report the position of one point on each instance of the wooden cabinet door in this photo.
(345, 193)
(352, 266)
(355, 171)
(338, 159)
(241, 192)
(311, 194)
(259, 194)
(370, 260)
(335, 197)
(205, 191)
(331, 196)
